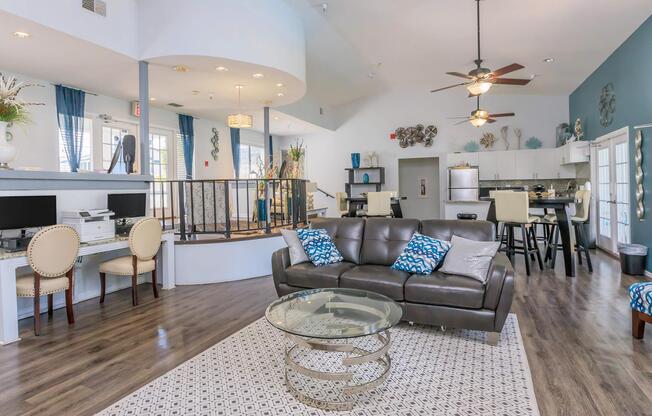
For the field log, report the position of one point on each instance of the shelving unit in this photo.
(355, 185)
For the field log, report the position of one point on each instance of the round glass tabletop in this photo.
(333, 313)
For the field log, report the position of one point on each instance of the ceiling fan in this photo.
(479, 80)
(480, 116)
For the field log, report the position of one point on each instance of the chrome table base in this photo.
(353, 356)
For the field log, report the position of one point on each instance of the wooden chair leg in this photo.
(585, 247)
(553, 258)
(154, 283)
(537, 252)
(134, 289)
(69, 311)
(50, 305)
(577, 244)
(37, 314)
(526, 255)
(102, 286)
(638, 325)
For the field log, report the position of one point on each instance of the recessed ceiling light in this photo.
(152, 98)
(239, 86)
(221, 69)
(280, 94)
(548, 60)
(22, 35)
(181, 68)
(258, 75)
(195, 92)
(280, 85)
(275, 118)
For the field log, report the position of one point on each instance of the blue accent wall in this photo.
(629, 69)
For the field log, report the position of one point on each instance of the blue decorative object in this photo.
(262, 210)
(235, 151)
(422, 254)
(318, 246)
(187, 133)
(641, 297)
(533, 143)
(355, 160)
(70, 114)
(365, 178)
(472, 147)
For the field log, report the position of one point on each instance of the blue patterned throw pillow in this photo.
(421, 255)
(318, 246)
(641, 297)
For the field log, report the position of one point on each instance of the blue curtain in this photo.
(70, 115)
(188, 137)
(235, 150)
(271, 150)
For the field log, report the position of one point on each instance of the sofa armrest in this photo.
(280, 262)
(499, 270)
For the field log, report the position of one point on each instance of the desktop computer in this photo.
(23, 212)
(126, 207)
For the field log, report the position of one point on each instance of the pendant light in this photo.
(240, 120)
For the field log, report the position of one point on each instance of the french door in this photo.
(611, 169)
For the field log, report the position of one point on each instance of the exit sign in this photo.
(135, 108)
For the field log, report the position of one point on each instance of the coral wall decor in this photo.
(472, 147)
(488, 140)
(533, 143)
(409, 136)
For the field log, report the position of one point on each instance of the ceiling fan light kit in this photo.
(479, 87)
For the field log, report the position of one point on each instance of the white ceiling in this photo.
(417, 41)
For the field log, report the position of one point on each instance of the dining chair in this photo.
(144, 243)
(51, 254)
(342, 203)
(379, 204)
(582, 205)
(513, 210)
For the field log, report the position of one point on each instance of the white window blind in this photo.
(180, 162)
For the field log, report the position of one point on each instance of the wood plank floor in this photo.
(576, 333)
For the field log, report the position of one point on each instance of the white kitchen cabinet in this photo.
(574, 152)
(500, 165)
(537, 164)
(457, 159)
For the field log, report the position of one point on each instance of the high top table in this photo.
(560, 205)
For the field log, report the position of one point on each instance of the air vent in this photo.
(95, 6)
(175, 105)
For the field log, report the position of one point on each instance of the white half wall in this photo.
(366, 126)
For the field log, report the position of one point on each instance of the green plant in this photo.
(12, 108)
(296, 151)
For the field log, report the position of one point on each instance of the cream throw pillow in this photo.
(469, 258)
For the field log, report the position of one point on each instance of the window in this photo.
(86, 162)
(158, 166)
(111, 136)
(180, 163)
(251, 156)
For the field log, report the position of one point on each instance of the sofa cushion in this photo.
(385, 238)
(346, 233)
(470, 258)
(309, 276)
(374, 278)
(421, 255)
(319, 246)
(445, 229)
(445, 290)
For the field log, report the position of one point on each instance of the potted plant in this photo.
(12, 111)
(296, 152)
(264, 173)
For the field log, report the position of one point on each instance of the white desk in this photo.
(9, 262)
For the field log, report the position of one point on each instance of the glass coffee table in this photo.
(339, 343)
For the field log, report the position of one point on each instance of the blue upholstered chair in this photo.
(641, 303)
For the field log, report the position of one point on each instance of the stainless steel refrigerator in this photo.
(463, 184)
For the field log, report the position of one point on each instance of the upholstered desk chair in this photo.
(513, 210)
(582, 204)
(144, 242)
(379, 204)
(51, 253)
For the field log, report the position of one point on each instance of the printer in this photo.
(91, 224)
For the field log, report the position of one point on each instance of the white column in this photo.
(143, 96)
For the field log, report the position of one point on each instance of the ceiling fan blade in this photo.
(502, 115)
(491, 120)
(510, 81)
(462, 122)
(507, 69)
(458, 118)
(459, 74)
(450, 86)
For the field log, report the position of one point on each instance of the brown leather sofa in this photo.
(370, 246)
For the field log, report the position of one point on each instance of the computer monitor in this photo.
(20, 212)
(127, 205)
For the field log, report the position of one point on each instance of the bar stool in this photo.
(342, 203)
(512, 209)
(379, 204)
(144, 242)
(51, 253)
(582, 204)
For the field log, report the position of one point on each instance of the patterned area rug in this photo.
(433, 373)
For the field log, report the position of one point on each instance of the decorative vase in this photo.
(8, 151)
(262, 210)
(355, 160)
(365, 178)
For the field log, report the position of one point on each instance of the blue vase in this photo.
(355, 160)
(262, 210)
(365, 178)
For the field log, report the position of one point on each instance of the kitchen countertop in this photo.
(448, 201)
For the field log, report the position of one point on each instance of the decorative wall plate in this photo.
(607, 105)
(409, 136)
